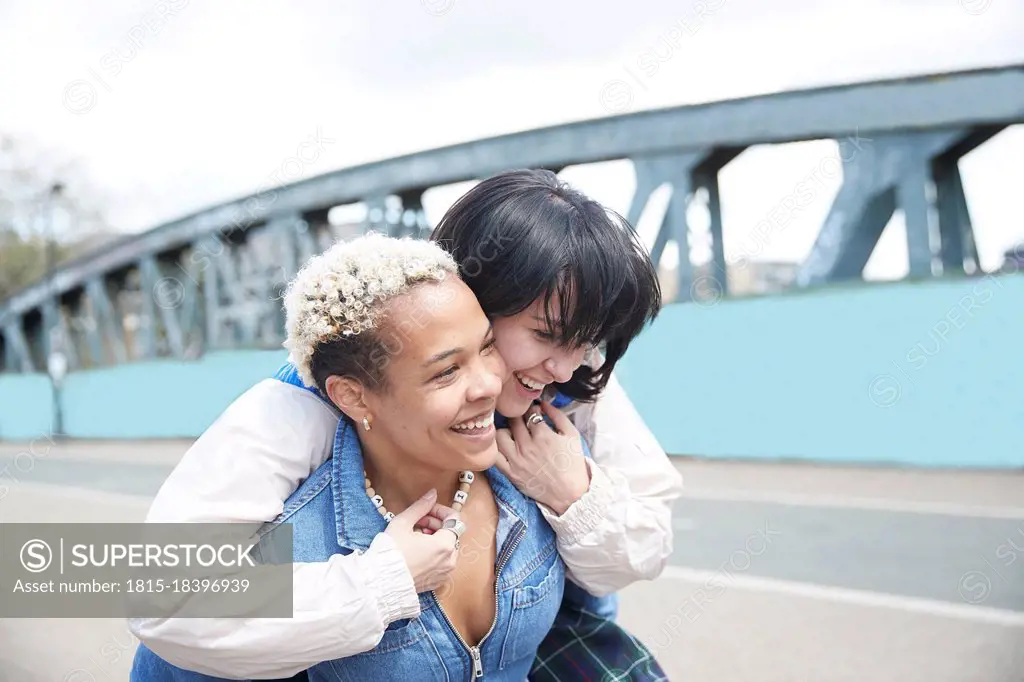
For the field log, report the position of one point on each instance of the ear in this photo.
(348, 395)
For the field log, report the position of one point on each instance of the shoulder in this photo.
(273, 394)
(271, 404)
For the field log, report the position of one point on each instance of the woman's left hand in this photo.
(544, 463)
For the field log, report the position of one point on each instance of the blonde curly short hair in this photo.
(340, 295)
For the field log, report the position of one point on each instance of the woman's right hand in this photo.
(430, 557)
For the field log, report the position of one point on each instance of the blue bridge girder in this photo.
(895, 170)
(212, 279)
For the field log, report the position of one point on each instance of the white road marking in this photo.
(943, 609)
(853, 502)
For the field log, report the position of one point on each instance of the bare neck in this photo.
(401, 480)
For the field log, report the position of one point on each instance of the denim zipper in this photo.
(474, 651)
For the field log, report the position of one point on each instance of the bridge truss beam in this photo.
(214, 279)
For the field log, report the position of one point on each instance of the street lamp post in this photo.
(56, 362)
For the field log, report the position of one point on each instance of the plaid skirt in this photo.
(587, 645)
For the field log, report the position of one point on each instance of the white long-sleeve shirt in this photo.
(275, 435)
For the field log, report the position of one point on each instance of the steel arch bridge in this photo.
(209, 280)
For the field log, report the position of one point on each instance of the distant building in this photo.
(751, 278)
(745, 278)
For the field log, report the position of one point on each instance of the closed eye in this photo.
(446, 373)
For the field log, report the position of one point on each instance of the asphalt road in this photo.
(878, 575)
(944, 557)
(932, 556)
(106, 476)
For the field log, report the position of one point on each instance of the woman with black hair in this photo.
(567, 286)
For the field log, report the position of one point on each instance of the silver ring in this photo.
(456, 526)
(534, 418)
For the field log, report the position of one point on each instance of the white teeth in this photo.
(478, 424)
(529, 383)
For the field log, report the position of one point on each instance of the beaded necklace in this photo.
(459, 499)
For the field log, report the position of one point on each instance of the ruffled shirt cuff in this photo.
(586, 513)
(396, 593)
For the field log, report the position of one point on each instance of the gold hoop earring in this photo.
(366, 423)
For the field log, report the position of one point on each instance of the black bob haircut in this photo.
(524, 234)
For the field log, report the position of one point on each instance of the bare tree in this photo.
(48, 214)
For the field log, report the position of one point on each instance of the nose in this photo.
(564, 362)
(488, 378)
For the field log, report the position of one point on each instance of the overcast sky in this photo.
(170, 106)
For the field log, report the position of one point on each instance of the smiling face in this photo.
(532, 356)
(522, 234)
(442, 377)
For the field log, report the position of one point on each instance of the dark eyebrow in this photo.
(438, 357)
